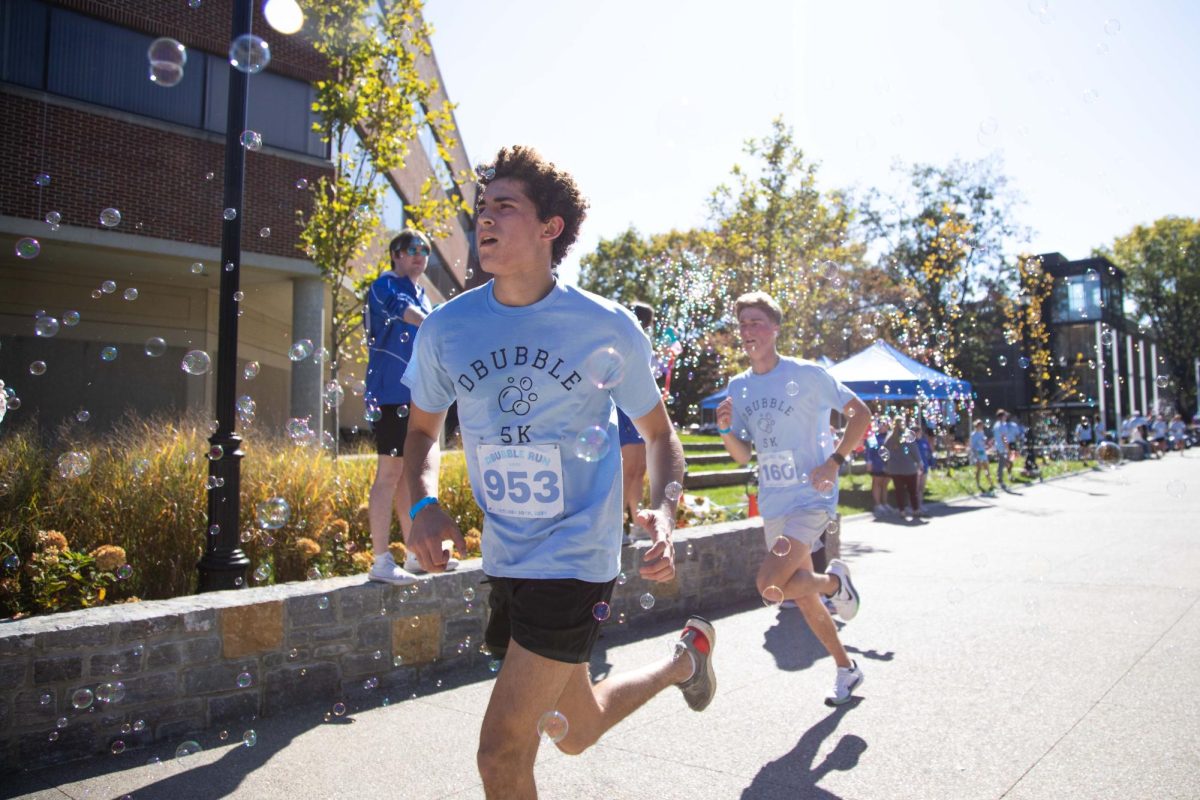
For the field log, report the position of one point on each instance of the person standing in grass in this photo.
(782, 405)
(977, 454)
(903, 464)
(396, 307)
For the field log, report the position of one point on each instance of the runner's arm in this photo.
(422, 459)
(738, 450)
(664, 465)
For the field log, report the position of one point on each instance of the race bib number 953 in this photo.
(521, 481)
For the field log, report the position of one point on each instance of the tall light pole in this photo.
(224, 564)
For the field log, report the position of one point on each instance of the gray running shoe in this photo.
(845, 600)
(698, 640)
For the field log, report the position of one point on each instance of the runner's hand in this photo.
(824, 477)
(725, 413)
(658, 564)
(431, 526)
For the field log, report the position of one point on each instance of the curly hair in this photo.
(553, 191)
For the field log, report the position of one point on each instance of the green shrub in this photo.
(145, 492)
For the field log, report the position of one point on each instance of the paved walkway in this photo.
(1044, 644)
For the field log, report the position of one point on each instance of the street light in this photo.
(224, 564)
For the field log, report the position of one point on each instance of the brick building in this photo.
(85, 130)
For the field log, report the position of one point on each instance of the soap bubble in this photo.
(155, 346)
(28, 247)
(124, 572)
(825, 487)
(302, 183)
(264, 233)
(108, 353)
(262, 573)
(197, 268)
(45, 327)
(196, 362)
(335, 395)
(117, 747)
(74, 464)
(83, 415)
(601, 611)
(1176, 489)
(249, 53)
(646, 601)
(591, 444)
(252, 140)
(167, 59)
(673, 490)
(339, 709)
(37, 368)
(273, 514)
(82, 698)
(110, 218)
(772, 596)
(622, 579)
(139, 725)
(782, 546)
(323, 603)
(402, 411)
(1112, 26)
(108, 287)
(604, 368)
(1109, 455)
(792, 388)
(41, 180)
(229, 214)
(70, 318)
(552, 727)
(249, 739)
(244, 679)
(1162, 381)
(188, 748)
(250, 371)
(1023, 362)
(301, 350)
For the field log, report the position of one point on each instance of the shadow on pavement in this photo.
(795, 775)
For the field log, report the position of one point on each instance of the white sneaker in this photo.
(845, 600)
(413, 564)
(386, 570)
(843, 688)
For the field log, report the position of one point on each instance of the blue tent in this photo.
(881, 372)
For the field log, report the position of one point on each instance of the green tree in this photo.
(1162, 267)
(372, 107)
(777, 232)
(941, 241)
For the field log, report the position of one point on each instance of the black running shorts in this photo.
(553, 617)
(390, 430)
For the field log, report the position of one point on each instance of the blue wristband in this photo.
(428, 500)
(723, 431)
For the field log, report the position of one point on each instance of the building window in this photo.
(96, 62)
(1076, 299)
(428, 140)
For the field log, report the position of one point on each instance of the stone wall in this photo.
(174, 668)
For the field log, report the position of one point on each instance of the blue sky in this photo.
(1092, 105)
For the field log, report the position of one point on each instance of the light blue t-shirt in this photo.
(786, 414)
(535, 387)
(1004, 434)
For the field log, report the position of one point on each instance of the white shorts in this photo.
(805, 525)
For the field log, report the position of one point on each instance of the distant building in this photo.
(76, 105)
(1114, 364)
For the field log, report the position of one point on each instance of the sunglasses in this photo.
(412, 250)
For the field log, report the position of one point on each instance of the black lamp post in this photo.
(1031, 464)
(224, 564)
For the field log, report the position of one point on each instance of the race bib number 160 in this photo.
(521, 481)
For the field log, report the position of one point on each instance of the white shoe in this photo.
(386, 570)
(413, 564)
(845, 600)
(843, 688)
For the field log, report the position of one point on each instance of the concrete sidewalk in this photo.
(1041, 644)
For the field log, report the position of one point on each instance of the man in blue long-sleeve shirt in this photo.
(396, 307)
